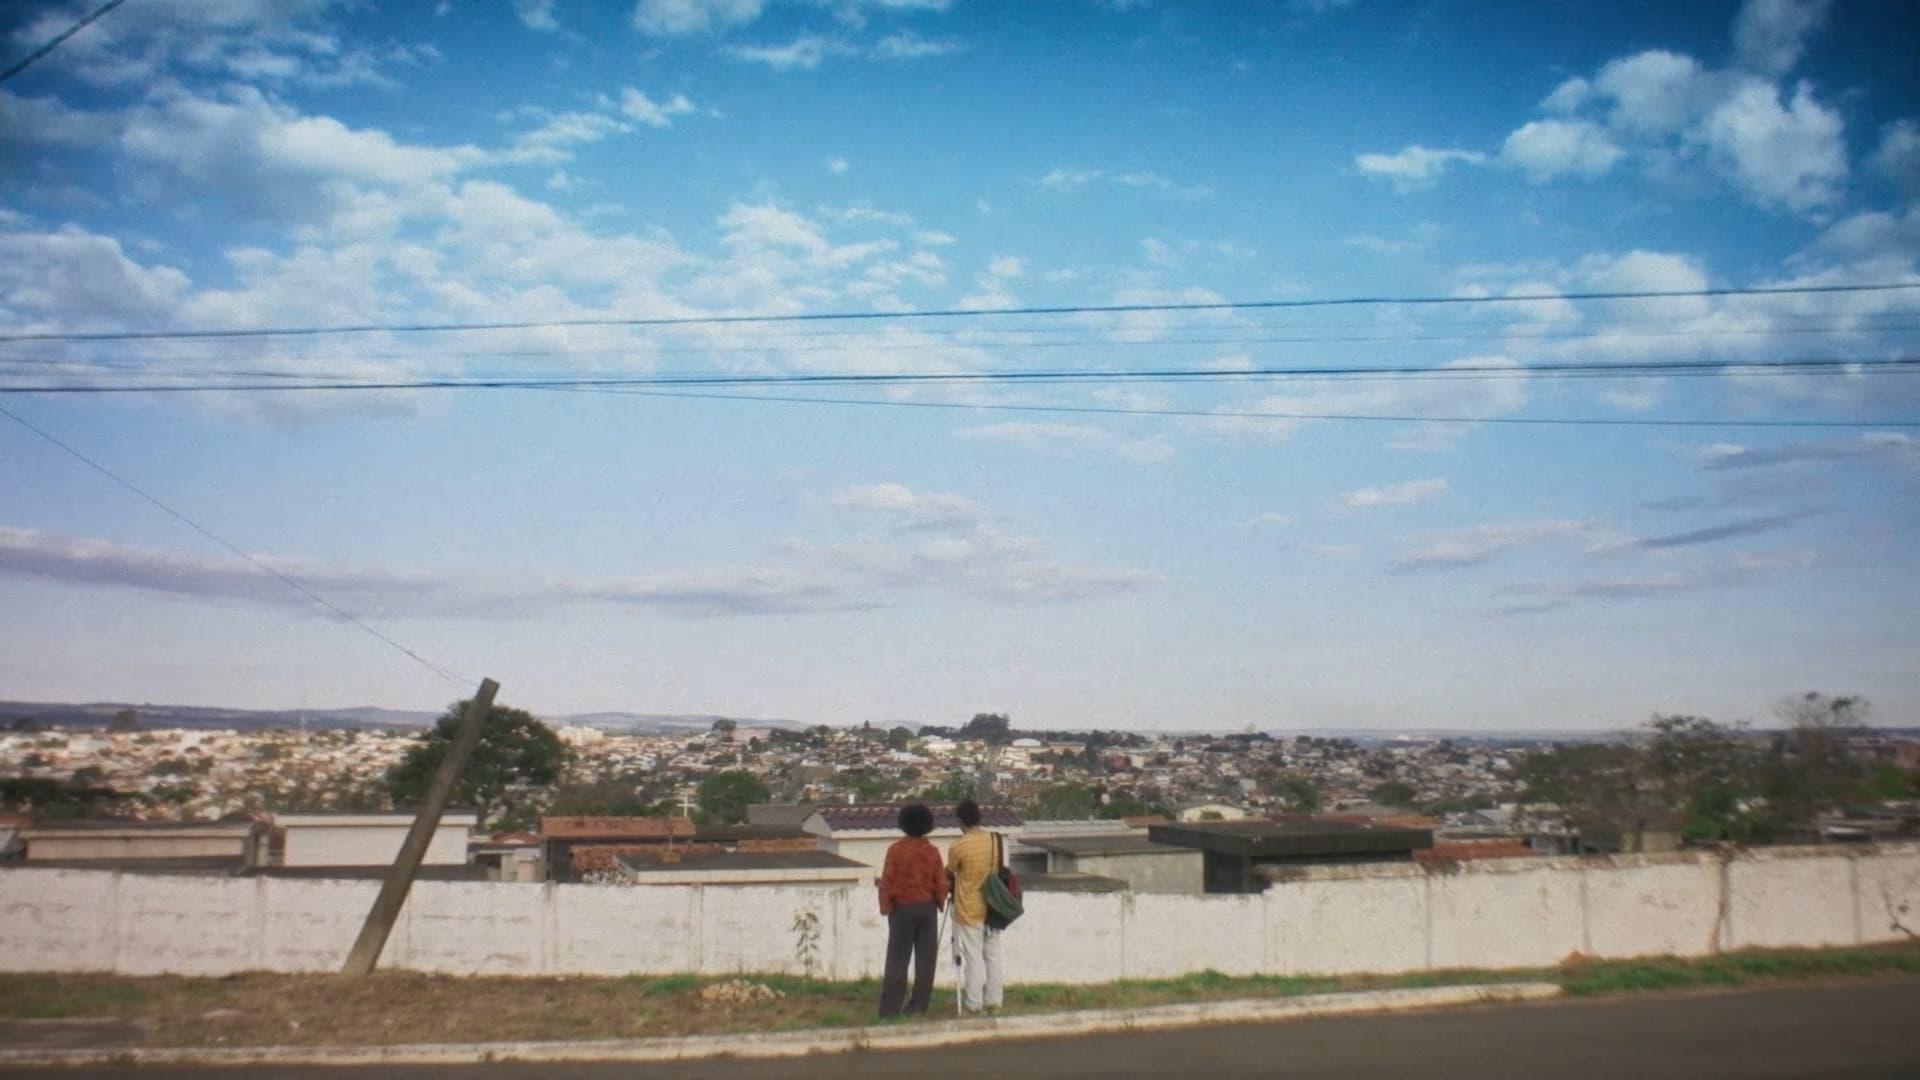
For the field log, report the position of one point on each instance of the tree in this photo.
(61, 800)
(1299, 793)
(1064, 802)
(1602, 789)
(25, 725)
(1814, 768)
(724, 796)
(1707, 775)
(1393, 793)
(123, 721)
(991, 728)
(724, 728)
(516, 753)
(899, 738)
(1124, 806)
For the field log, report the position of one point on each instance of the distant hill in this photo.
(96, 715)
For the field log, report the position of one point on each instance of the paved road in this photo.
(1856, 1030)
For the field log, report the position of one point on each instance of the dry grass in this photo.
(403, 1007)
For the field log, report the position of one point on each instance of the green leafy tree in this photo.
(1708, 776)
(1299, 793)
(1123, 805)
(899, 738)
(124, 721)
(516, 756)
(1064, 802)
(1393, 793)
(724, 796)
(991, 728)
(62, 800)
(1604, 790)
(1885, 780)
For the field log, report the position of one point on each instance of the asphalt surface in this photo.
(1853, 1030)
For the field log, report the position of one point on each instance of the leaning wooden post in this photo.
(393, 891)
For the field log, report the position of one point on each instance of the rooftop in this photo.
(465, 818)
(615, 828)
(1290, 839)
(1133, 844)
(885, 817)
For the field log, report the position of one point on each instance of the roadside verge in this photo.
(907, 1036)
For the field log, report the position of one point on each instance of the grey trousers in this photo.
(913, 930)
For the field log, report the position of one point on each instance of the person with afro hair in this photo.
(913, 888)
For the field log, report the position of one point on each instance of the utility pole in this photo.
(393, 891)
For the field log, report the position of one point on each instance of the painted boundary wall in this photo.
(1327, 920)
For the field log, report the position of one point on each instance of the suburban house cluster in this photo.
(1205, 848)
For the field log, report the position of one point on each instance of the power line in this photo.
(1623, 369)
(223, 542)
(948, 313)
(29, 60)
(1091, 343)
(1230, 414)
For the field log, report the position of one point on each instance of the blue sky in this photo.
(247, 164)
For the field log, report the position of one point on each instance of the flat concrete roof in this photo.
(1104, 845)
(1290, 839)
(451, 817)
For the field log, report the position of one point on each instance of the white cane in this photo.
(959, 972)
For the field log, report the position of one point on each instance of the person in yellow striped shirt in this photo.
(971, 860)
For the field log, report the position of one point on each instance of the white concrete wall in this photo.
(369, 845)
(1325, 920)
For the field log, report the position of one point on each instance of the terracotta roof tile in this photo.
(607, 828)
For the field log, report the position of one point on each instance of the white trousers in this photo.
(980, 985)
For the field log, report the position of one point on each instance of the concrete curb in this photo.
(915, 1036)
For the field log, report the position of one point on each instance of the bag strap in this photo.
(999, 854)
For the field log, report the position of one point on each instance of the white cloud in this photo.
(1792, 157)
(1888, 448)
(1876, 235)
(907, 45)
(1770, 35)
(838, 166)
(537, 14)
(1270, 518)
(910, 508)
(679, 18)
(1421, 239)
(1546, 149)
(1409, 493)
(1414, 167)
(1006, 266)
(72, 279)
(803, 53)
(553, 142)
(272, 41)
(1062, 178)
(1457, 399)
(637, 106)
(1065, 178)
(1568, 96)
(1654, 92)
(1484, 542)
(1898, 155)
